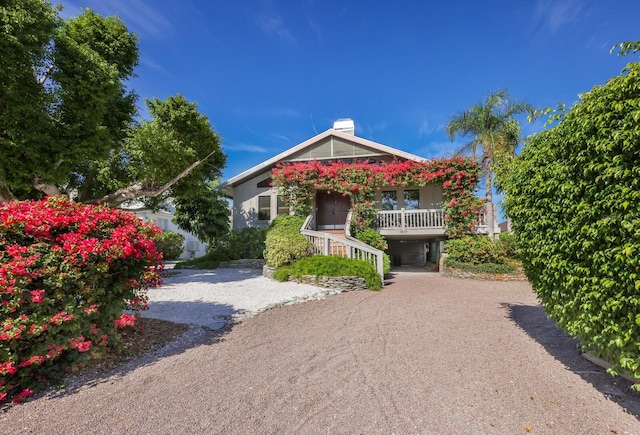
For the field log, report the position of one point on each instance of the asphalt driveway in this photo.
(427, 354)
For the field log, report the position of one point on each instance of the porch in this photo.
(417, 223)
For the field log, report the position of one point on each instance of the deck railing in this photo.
(331, 244)
(416, 220)
(410, 219)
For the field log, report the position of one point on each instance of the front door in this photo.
(331, 210)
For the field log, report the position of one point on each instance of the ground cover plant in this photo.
(67, 273)
(574, 197)
(329, 265)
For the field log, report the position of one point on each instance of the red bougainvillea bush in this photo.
(68, 274)
(458, 176)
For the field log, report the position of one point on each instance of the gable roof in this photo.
(297, 153)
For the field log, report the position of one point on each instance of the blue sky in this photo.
(271, 74)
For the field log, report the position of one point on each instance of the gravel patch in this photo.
(214, 298)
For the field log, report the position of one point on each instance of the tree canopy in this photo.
(68, 122)
(574, 197)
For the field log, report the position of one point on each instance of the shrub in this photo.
(574, 197)
(475, 250)
(372, 238)
(67, 272)
(508, 243)
(245, 243)
(479, 268)
(169, 244)
(284, 243)
(323, 265)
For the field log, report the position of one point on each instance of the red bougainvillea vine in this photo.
(298, 182)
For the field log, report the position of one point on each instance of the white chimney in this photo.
(345, 125)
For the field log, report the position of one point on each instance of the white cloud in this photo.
(273, 24)
(247, 148)
(137, 15)
(554, 14)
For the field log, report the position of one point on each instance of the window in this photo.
(283, 209)
(389, 200)
(162, 223)
(264, 208)
(411, 199)
(265, 183)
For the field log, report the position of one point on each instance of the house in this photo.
(411, 218)
(192, 247)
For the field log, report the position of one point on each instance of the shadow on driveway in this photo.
(534, 321)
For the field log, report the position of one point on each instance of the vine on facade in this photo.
(459, 176)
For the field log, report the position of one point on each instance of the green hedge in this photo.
(574, 198)
(479, 268)
(323, 265)
(475, 250)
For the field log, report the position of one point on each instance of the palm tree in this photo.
(494, 131)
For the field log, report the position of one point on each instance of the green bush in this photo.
(477, 249)
(509, 245)
(170, 244)
(240, 244)
(574, 198)
(323, 265)
(372, 238)
(479, 268)
(284, 244)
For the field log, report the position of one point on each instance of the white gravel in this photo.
(212, 298)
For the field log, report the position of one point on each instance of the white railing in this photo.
(410, 219)
(416, 220)
(330, 244)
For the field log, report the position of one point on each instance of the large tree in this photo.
(494, 132)
(67, 119)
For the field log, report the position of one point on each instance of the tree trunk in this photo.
(489, 198)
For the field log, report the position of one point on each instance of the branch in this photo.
(146, 188)
(5, 193)
(47, 189)
(45, 75)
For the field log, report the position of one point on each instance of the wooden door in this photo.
(331, 210)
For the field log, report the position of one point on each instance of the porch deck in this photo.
(417, 223)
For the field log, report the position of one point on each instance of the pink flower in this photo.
(37, 296)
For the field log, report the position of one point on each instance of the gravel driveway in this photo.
(427, 354)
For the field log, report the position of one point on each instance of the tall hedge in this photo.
(574, 198)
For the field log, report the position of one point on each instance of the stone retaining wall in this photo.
(338, 283)
(243, 264)
(457, 273)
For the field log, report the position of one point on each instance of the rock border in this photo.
(338, 283)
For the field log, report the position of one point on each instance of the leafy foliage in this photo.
(206, 216)
(574, 197)
(247, 242)
(68, 119)
(328, 265)
(67, 272)
(169, 244)
(477, 249)
(284, 244)
(482, 268)
(459, 178)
